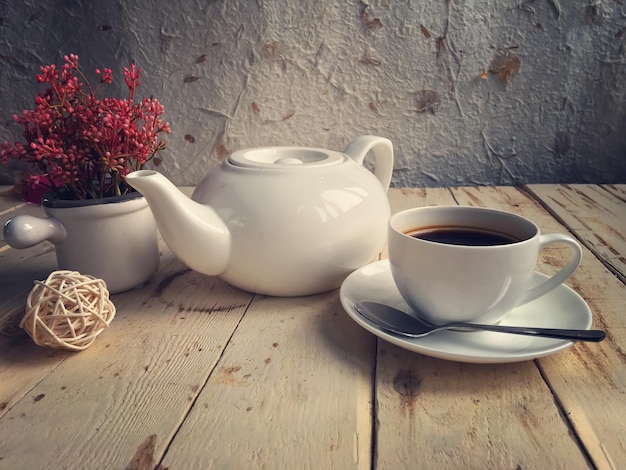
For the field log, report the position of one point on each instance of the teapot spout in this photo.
(194, 232)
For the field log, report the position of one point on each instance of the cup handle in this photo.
(383, 155)
(560, 277)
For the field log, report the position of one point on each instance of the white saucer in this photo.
(560, 308)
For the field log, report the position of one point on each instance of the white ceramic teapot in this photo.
(281, 221)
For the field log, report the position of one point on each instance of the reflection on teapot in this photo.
(281, 221)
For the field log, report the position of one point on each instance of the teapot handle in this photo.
(383, 155)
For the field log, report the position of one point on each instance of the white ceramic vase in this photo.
(114, 239)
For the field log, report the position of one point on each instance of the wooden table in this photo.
(195, 374)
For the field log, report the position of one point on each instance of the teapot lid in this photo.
(281, 158)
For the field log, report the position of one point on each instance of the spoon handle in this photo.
(558, 333)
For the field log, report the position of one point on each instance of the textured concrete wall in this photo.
(470, 92)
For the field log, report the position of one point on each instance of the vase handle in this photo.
(24, 231)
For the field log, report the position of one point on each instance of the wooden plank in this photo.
(408, 198)
(595, 214)
(465, 415)
(22, 366)
(293, 390)
(18, 270)
(618, 190)
(9, 198)
(122, 400)
(21, 363)
(589, 379)
(449, 415)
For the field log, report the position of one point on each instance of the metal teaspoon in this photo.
(395, 321)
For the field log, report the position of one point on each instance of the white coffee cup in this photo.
(444, 282)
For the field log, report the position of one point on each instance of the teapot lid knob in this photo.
(285, 158)
(289, 161)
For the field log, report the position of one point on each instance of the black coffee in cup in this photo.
(468, 236)
(445, 273)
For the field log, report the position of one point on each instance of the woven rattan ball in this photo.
(68, 310)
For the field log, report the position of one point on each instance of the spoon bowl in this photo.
(395, 321)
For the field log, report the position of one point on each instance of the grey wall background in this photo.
(470, 92)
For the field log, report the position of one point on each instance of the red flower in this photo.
(80, 146)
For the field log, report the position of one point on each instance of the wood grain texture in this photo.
(140, 378)
(194, 373)
(591, 399)
(589, 379)
(18, 270)
(449, 415)
(466, 415)
(9, 199)
(595, 214)
(408, 198)
(293, 390)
